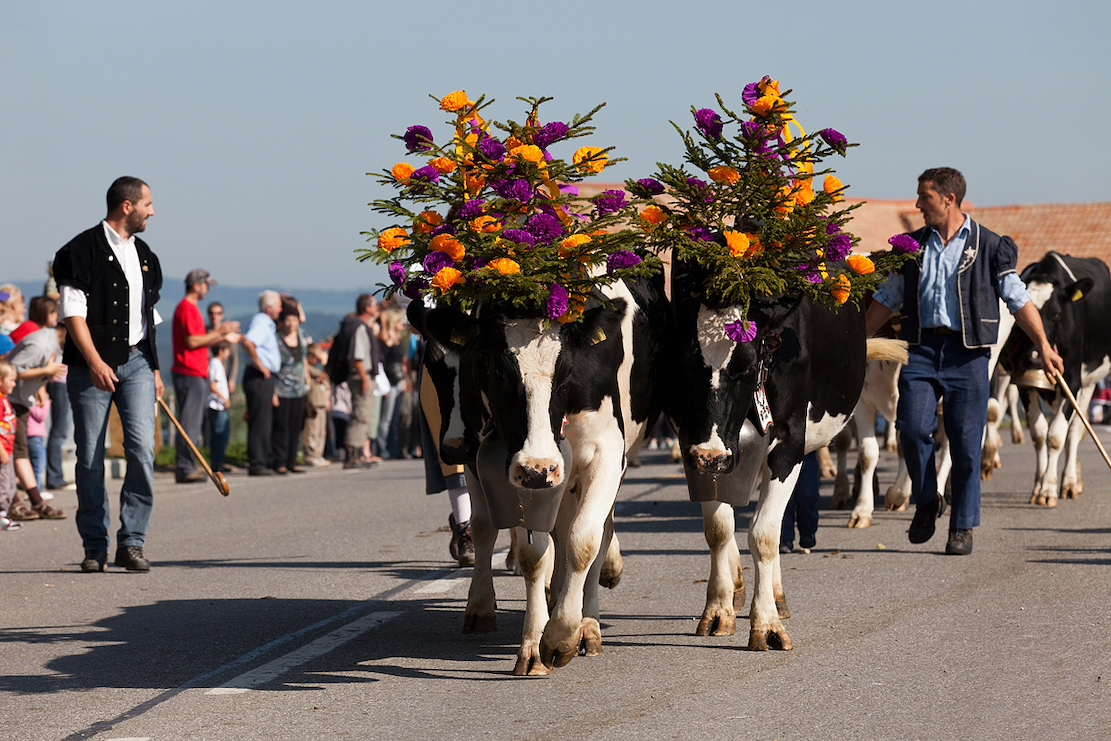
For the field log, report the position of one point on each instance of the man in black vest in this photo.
(110, 281)
(354, 358)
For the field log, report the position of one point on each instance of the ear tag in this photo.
(1078, 295)
(599, 336)
(458, 337)
(763, 409)
(563, 427)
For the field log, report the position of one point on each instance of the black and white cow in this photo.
(1073, 296)
(810, 362)
(595, 382)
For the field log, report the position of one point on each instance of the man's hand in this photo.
(275, 401)
(227, 328)
(1051, 359)
(233, 337)
(366, 385)
(104, 378)
(159, 388)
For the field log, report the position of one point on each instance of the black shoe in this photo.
(960, 542)
(260, 472)
(461, 546)
(925, 520)
(94, 561)
(131, 558)
(189, 478)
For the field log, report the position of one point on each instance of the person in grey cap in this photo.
(190, 369)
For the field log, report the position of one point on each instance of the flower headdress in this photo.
(759, 227)
(496, 218)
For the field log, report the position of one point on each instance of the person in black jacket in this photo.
(110, 281)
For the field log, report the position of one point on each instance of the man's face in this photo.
(201, 289)
(934, 206)
(274, 310)
(215, 314)
(136, 218)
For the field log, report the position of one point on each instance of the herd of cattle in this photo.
(544, 416)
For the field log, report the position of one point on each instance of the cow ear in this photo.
(450, 327)
(1079, 289)
(596, 326)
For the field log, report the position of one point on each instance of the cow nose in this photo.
(709, 460)
(536, 475)
(453, 452)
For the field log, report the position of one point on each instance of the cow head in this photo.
(1059, 296)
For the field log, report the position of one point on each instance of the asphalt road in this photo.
(324, 606)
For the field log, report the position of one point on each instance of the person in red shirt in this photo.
(190, 369)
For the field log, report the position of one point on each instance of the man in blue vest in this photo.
(949, 296)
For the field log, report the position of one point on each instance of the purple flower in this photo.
(835, 139)
(621, 259)
(832, 227)
(708, 122)
(518, 235)
(478, 263)
(414, 287)
(514, 190)
(568, 189)
(397, 273)
(434, 262)
(443, 229)
(609, 201)
(751, 93)
(491, 148)
(648, 187)
(703, 186)
(428, 173)
(472, 209)
(544, 227)
(742, 331)
(557, 301)
(417, 138)
(550, 133)
(756, 136)
(701, 233)
(839, 246)
(813, 277)
(903, 243)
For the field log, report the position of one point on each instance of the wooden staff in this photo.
(1083, 416)
(216, 476)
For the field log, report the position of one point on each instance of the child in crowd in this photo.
(7, 444)
(36, 439)
(219, 400)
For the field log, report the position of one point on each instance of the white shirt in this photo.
(218, 376)
(76, 303)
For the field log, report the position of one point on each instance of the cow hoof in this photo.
(592, 638)
(1071, 491)
(716, 623)
(475, 623)
(529, 664)
(556, 654)
(762, 640)
(1017, 436)
(987, 468)
(860, 521)
(781, 608)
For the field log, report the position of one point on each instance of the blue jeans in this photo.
(803, 507)
(941, 367)
(218, 445)
(134, 398)
(36, 452)
(61, 421)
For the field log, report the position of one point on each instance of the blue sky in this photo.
(255, 123)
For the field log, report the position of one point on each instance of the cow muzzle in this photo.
(536, 474)
(710, 460)
(455, 452)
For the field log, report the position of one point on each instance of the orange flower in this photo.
(402, 171)
(787, 203)
(570, 245)
(393, 238)
(427, 221)
(723, 174)
(475, 183)
(738, 243)
(446, 278)
(841, 290)
(486, 224)
(804, 195)
(512, 143)
(449, 244)
(860, 264)
(527, 153)
(833, 186)
(575, 307)
(454, 101)
(769, 86)
(765, 104)
(653, 215)
(590, 158)
(443, 164)
(504, 265)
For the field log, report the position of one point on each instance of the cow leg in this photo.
(536, 564)
(725, 589)
(826, 468)
(614, 566)
(989, 451)
(480, 615)
(511, 564)
(768, 599)
(1055, 443)
(842, 492)
(1072, 485)
(1016, 424)
(898, 495)
(869, 450)
(1039, 432)
(891, 437)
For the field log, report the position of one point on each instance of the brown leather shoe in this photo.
(960, 543)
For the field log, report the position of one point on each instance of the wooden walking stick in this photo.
(216, 476)
(1083, 416)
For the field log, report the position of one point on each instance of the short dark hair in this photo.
(212, 304)
(123, 189)
(220, 347)
(363, 301)
(40, 308)
(946, 180)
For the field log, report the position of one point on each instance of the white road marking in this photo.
(439, 586)
(326, 643)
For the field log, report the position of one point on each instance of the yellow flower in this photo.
(443, 164)
(765, 103)
(570, 245)
(512, 143)
(805, 194)
(454, 101)
(527, 153)
(402, 171)
(723, 174)
(860, 264)
(787, 203)
(841, 290)
(475, 183)
(590, 158)
(446, 278)
(486, 224)
(769, 86)
(427, 221)
(833, 186)
(653, 215)
(737, 242)
(504, 265)
(392, 238)
(449, 244)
